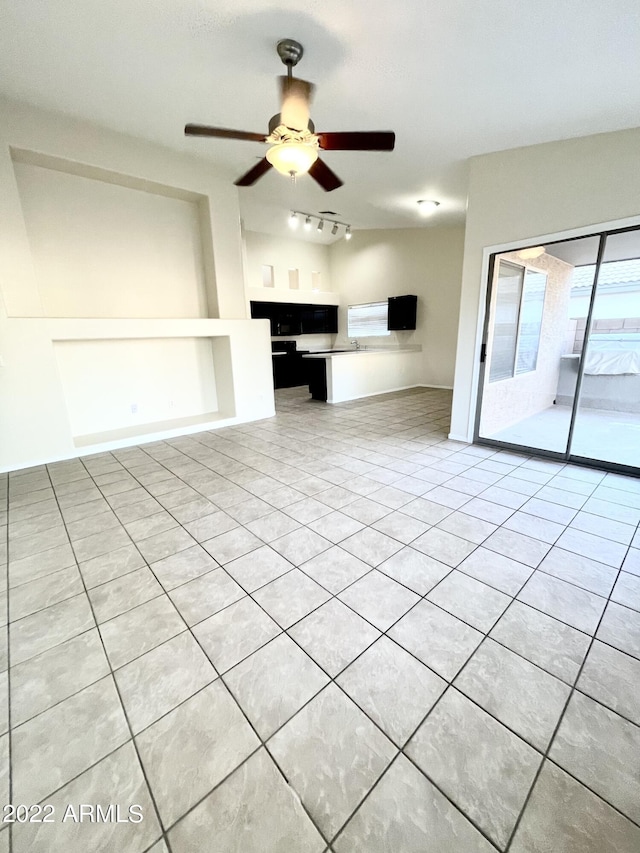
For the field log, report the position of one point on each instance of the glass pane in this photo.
(531, 313)
(367, 320)
(607, 424)
(505, 325)
(531, 403)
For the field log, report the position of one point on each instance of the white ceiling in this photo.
(453, 79)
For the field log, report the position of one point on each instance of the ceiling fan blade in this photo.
(327, 179)
(250, 177)
(222, 133)
(295, 97)
(367, 140)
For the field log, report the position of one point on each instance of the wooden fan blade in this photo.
(222, 133)
(295, 97)
(367, 140)
(327, 179)
(254, 173)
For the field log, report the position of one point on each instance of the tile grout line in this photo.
(118, 693)
(335, 596)
(557, 728)
(8, 636)
(165, 592)
(237, 704)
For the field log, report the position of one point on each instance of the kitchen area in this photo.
(346, 369)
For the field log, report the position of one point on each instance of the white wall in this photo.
(282, 254)
(113, 384)
(53, 140)
(427, 262)
(350, 377)
(39, 417)
(527, 196)
(106, 250)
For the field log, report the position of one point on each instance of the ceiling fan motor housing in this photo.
(275, 122)
(290, 52)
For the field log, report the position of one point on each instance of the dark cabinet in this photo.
(402, 312)
(290, 319)
(290, 370)
(317, 375)
(319, 318)
(284, 318)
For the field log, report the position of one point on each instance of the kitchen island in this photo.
(336, 376)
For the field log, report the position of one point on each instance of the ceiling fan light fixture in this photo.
(292, 158)
(427, 206)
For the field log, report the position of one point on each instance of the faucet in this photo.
(355, 344)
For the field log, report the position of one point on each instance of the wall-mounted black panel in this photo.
(402, 312)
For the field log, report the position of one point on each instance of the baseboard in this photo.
(453, 437)
(375, 394)
(135, 440)
(392, 391)
(442, 387)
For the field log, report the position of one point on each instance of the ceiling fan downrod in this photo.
(290, 52)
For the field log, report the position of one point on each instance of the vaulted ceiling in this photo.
(453, 79)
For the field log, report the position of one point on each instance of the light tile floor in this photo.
(331, 630)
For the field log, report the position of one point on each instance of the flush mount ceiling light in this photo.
(426, 207)
(531, 253)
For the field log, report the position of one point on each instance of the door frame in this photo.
(559, 456)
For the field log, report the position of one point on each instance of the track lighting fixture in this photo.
(297, 216)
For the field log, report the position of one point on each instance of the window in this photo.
(371, 318)
(518, 321)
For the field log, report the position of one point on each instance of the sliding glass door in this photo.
(560, 370)
(607, 418)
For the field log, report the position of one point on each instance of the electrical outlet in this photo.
(134, 408)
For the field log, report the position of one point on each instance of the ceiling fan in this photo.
(292, 136)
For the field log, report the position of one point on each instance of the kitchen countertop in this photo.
(369, 351)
